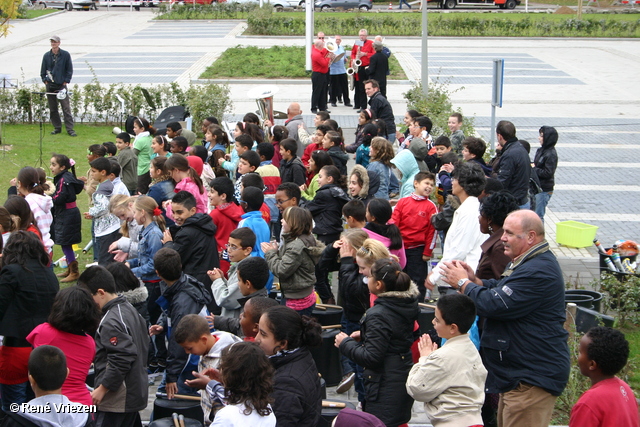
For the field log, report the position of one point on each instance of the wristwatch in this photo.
(461, 282)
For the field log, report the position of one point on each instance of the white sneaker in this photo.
(93, 264)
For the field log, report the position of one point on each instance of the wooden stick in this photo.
(421, 304)
(175, 419)
(332, 327)
(319, 307)
(330, 404)
(328, 306)
(181, 419)
(178, 396)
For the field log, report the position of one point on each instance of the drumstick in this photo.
(331, 326)
(329, 404)
(421, 304)
(181, 419)
(328, 306)
(175, 419)
(178, 396)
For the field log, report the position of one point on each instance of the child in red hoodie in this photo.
(412, 215)
(226, 215)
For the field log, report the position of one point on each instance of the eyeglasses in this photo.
(231, 247)
(280, 202)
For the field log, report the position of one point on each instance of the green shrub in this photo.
(231, 10)
(437, 106)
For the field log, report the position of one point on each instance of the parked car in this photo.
(363, 5)
(69, 4)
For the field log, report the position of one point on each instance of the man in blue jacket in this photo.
(56, 72)
(524, 345)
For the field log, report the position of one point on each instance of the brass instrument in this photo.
(355, 66)
(264, 98)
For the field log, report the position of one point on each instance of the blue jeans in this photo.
(542, 199)
(526, 205)
(392, 136)
(15, 393)
(349, 366)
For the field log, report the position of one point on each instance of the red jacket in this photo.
(226, 220)
(367, 49)
(413, 218)
(309, 151)
(319, 60)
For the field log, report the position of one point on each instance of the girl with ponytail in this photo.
(186, 179)
(378, 215)
(383, 344)
(285, 337)
(31, 184)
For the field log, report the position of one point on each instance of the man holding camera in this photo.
(56, 73)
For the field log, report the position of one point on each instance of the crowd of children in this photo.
(188, 242)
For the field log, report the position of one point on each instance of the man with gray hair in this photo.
(524, 345)
(338, 87)
(362, 50)
(379, 67)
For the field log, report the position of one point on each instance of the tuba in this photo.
(264, 98)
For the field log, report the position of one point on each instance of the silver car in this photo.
(68, 4)
(363, 5)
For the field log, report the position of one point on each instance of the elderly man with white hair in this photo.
(523, 344)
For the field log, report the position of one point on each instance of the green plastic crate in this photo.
(575, 234)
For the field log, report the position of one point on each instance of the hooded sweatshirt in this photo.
(56, 418)
(41, 209)
(226, 218)
(546, 158)
(406, 163)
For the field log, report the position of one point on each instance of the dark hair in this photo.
(251, 130)
(475, 146)
(355, 209)
(450, 157)
(470, 177)
(48, 367)
(190, 328)
(180, 162)
(174, 126)
(290, 144)
(162, 140)
(245, 141)
(324, 128)
(321, 159)
(30, 178)
(323, 115)
(221, 135)
(97, 277)
(253, 179)
(300, 221)
(246, 236)
(74, 310)
(369, 131)
(251, 118)
(168, 264)
(115, 168)
(124, 136)
(265, 149)
(368, 114)
(291, 190)
(287, 325)
(442, 140)
(252, 158)
(457, 116)
(421, 176)
(374, 83)
(381, 210)
(224, 185)
(381, 125)
(212, 120)
(98, 150)
(160, 162)
(497, 206)
(65, 161)
(123, 276)
(110, 147)
(144, 124)
(336, 139)
(254, 198)
(101, 164)
(259, 305)
(334, 173)
(280, 133)
(247, 375)
(7, 223)
(391, 275)
(457, 309)
(333, 125)
(608, 348)
(199, 151)
(525, 145)
(414, 113)
(19, 207)
(185, 199)
(23, 246)
(424, 122)
(506, 129)
(493, 185)
(181, 142)
(255, 270)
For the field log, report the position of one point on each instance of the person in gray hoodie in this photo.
(47, 372)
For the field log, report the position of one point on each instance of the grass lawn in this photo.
(21, 148)
(276, 62)
(513, 16)
(35, 13)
